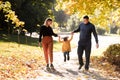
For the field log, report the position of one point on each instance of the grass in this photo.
(112, 35)
(19, 63)
(25, 40)
(98, 52)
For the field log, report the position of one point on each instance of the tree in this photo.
(73, 22)
(8, 15)
(61, 18)
(32, 12)
(102, 12)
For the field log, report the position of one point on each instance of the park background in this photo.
(22, 59)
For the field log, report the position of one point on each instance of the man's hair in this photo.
(86, 17)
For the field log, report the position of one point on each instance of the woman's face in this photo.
(49, 23)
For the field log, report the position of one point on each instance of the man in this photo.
(85, 29)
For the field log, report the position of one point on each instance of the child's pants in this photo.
(66, 54)
(47, 44)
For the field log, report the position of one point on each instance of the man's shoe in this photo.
(80, 66)
(86, 69)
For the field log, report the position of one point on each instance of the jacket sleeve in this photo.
(77, 30)
(59, 39)
(40, 34)
(56, 35)
(95, 34)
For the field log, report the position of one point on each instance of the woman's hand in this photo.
(39, 44)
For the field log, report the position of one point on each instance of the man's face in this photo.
(85, 21)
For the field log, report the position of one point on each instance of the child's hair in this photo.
(65, 38)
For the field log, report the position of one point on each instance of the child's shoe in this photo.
(64, 60)
(68, 58)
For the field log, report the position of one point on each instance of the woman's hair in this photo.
(65, 38)
(46, 20)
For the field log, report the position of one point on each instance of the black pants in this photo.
(84, 46)
(66, 55)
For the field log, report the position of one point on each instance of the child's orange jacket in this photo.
(66, 45)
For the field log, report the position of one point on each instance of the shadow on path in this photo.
(93, 73)
(72, 72)
(57, 73)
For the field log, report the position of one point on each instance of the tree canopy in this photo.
(8, 15)
(32, 12)
(102, 12)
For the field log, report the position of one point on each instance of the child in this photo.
(66, 47)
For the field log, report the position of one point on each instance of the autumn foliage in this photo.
(103, 13)
(112, 54)
(19, 63)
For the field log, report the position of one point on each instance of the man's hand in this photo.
(97, 45)
(72, 33)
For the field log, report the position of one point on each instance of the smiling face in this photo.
(49, 23)
(85, 20)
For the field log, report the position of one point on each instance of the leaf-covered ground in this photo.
(69, 70)
(106, 68)
(27, 63)
(19, 63)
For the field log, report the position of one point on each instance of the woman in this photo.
(46, 39)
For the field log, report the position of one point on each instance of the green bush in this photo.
(100, 31)
(112, 54)
(118, 31)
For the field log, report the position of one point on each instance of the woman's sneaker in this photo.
(48, 68)
(52, 67)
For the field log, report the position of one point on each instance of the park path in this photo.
(69, 70)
